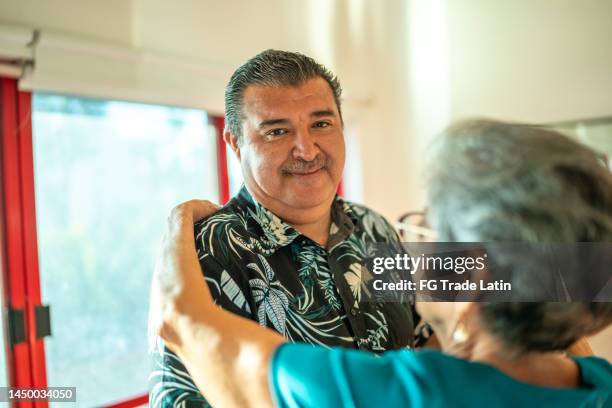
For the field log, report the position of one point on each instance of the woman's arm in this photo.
(227, 356)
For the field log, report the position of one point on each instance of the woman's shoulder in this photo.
(595, 371)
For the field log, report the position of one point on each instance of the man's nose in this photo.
(305, 145)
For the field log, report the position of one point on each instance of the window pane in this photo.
(107, 174)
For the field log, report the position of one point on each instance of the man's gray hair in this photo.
(273, 68)
(499, 182)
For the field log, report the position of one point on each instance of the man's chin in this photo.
(307, 199)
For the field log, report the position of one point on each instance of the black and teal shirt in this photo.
(259, 267)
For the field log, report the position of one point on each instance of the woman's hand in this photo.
(193, 210)
(178, 288)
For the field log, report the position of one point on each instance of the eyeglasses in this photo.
(413, 227)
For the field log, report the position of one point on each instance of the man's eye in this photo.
(276, 132)
(321, 124)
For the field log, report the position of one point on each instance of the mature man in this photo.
(286, 251)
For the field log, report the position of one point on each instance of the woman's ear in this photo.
(459, 340)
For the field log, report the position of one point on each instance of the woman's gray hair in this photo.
(491, 181)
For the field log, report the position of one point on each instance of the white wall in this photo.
(532, 60)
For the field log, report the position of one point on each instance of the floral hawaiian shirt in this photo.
(259, 267)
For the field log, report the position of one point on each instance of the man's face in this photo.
(292, 147)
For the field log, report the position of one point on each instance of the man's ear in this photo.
(232, 141)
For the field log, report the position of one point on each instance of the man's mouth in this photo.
(306, 172)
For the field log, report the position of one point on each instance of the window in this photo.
(106, 175)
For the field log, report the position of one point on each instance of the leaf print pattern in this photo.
(353, 277)
(233, 292)
(271, 301)
(307, 267)
(326, 283)
(378, 334)
(275, 231)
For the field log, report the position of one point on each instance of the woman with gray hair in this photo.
(490, 182)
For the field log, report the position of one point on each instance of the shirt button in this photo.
(354, 311)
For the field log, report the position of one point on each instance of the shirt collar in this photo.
(273, 233)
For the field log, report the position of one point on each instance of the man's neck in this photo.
(313, 222)
(317, 230)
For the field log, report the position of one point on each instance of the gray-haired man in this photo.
(286, 251)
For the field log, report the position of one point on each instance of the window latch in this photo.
(43, 321)
(16, 326)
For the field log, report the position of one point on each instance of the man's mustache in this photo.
(303, 166)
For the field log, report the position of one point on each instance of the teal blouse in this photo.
(306, 376)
